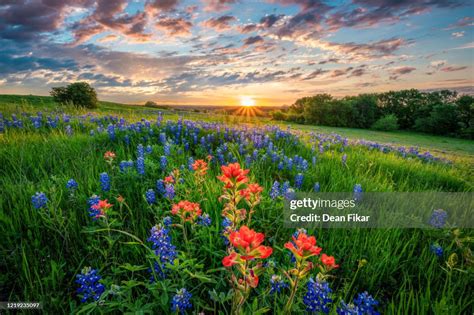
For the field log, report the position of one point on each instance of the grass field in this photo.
(45, 246)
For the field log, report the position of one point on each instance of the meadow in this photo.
(128, 209)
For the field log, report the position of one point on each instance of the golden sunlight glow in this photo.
(247, 101)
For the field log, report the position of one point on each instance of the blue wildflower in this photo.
(161, 244)
(71, 184)
(163, 162)
(204, 220)
(141, 165)
(150, 196)
(167, 221)
(436, 249)
(275, 190)
(160, 187)
(317, 297)
(140, 150)
(94, 213)
(111, 131)
(39, 200)
(344, 159)
(357, 192)
(169, 191)
(290, 194)
(317, 187)
(277, 284)
(181, 301)
(89, 285)
(148, 149)
(438, 218)
(104, 181)
(364, 304)
(125, 165)
(68, 130)
(299, 180)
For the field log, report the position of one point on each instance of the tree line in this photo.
(440, 112)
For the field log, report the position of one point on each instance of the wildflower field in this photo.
(151, 213)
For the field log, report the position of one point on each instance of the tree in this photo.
(364, 110)
(79, 94)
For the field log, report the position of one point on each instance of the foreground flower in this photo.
(89, 285)
(71, 185)
(247, 242)
(186, 210)
(99, 208)
(150, 196)
(317, 297)
(181, 301)
(329, 262)
(164, 250)
(200, 167)
(277, 284)
(39, 200)
(436, 249)
(109, 156)
(303, 246)
(438, 218)
(246, 249)
(104, 181)
(204, 220)
(233, 176)
(364, 304)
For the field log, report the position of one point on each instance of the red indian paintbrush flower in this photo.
(200, 166)
(329, 261)
(247, 242)
(251, 190)
(188, 211)
(109, 156)
(303, 246)
(233, 175)
(101, 206)
(168, 180)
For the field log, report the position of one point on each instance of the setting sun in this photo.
(247, 101)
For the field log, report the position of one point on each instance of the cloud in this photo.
(453, 68)
(315, 74)
(340, 72)
(218, 5)
(269, 20)
(398, 71)
(174, 26)
(465, 21)
(437, 64)
(253, 40)
(248, 28)
(457, 34)
(330, 60)
(157, 6)
(219, 24)
(108, 38)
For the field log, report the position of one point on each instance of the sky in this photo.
(221, 52)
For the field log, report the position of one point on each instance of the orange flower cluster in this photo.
(200, 166)
(251, 192)
(109, 156)
(101, 207)
(233, 176)
(188, 211)
(303, 246)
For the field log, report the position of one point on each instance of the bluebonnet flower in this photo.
(299, 180)
(284, 188)
(226, 227)
(126, 139)
(39, 200)
(161, 244)
(68, 130)
(93, 212)
(314, 160)
(141, 165)
(438, 218)
(111, 131)
(318, 296)
(169, 191)
(364, 304)
(160, 187)
(125, 165)
(344, 159)
(436, 249)
(317, 187)
(150, 196)
(140, 150)
(357, 192)
(277, 284)
(148, 149)
(104, 181)
(204, 220)
(275, 190)
(89, 285)
(167, 149)
(290, 194)
(167, 221)
(181, 301)
(190, 163)
(163, 162)
(71, 184)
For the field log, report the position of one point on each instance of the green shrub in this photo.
(386, 123)
(79, 94)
